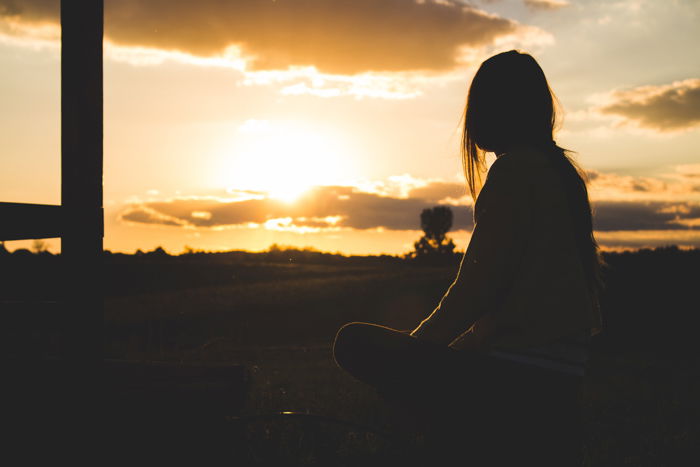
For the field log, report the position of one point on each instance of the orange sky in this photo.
(332, 124)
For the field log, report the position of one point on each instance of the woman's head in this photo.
(510, 103)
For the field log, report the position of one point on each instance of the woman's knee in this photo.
(364, 343)
(347, 343)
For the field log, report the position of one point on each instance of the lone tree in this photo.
(435, 222)
(39, 246)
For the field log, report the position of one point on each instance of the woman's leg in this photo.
(409, 374)
(492, 407)
(391, 361)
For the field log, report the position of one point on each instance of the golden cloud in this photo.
(682, 184)
(334, 36)
(664, 108)
(346, 207)
(322, 208)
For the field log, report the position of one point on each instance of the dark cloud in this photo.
(345, 205)
(41, 11)
(337, 36)
(644, 215)
(663, 108)
(632, 240)
(144, 215)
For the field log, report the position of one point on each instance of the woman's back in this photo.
(547, 296)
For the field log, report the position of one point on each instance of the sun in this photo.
(285, 159)
(289, 194)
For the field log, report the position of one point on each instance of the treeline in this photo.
(651, 302)
(274, 254)
(308, 255)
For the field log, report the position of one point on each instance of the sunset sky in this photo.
(333, 123)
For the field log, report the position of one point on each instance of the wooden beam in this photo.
(20, 221)
(82, 24)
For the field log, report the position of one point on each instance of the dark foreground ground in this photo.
(641, 403)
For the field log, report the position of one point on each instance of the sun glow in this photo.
(285, 159)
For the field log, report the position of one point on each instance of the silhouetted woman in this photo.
(497, 366)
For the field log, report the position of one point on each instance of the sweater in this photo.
(521, 284)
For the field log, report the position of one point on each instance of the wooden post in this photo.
(54, 406)
(81, 176)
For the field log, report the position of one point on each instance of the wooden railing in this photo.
(20, 221)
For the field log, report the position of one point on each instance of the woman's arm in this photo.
(491, 260)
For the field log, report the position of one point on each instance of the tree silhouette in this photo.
(39, 246)
(158, 252)
(434, 243)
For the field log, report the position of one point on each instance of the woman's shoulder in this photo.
(505, 185)
(523, 158)
(525, 166)
(516, 176)
(514, 169)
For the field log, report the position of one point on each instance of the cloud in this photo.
(645, 215)
(327, 207)
(629, 211)
(635, 203)
(689, 172)
(605, 185)
(343, 207)
(681, 184)
(546, 4)
(664, 108)
(439, 191)
(334, 36)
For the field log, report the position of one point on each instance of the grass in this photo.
(640, 407)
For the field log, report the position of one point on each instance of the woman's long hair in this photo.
(510, 103)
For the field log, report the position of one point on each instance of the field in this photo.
(278, 318)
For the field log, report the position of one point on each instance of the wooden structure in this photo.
(78, 221)
(42, 394)
(58, 405)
